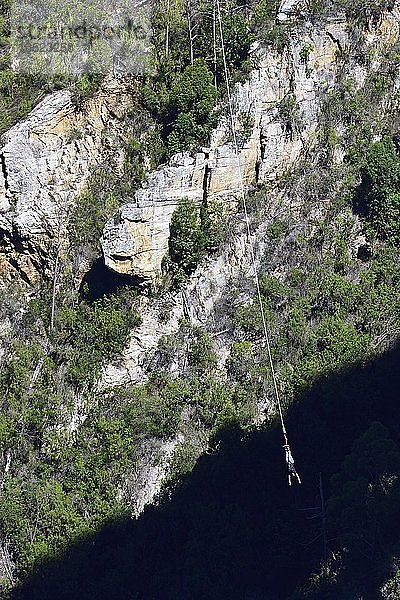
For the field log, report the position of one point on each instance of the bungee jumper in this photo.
(292, 473)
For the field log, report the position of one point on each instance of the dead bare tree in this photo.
(55, 276)
(7, 566)
(63, 219)
(167, 30)
(191, 25)
(214, 32)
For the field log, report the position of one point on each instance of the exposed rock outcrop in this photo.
(152, 467)
(46, 162)
(197, 302)
(47, 159)
(276, 116)
(276, 113)
(288, 9)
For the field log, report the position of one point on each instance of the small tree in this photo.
(190, 107)
(187, 241)
(185, 106)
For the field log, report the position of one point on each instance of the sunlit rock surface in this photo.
(46, 162)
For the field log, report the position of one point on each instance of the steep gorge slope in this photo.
(101, 444)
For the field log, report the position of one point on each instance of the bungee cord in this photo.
(292, 473)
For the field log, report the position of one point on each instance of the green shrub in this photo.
(289, 113)
(39, 519)
(89, 215)
(30, 402)
(134, 163)
(201, 355)
(365, 492)
(241, 360)
(215, 224)
(379, 194)
(85, 86)
(276, 230)
(185, 106)
(91, 334)
(187, 241)
(273, 289)
(238, 39)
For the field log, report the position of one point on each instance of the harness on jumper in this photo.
(292, 473)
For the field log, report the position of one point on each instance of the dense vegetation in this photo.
(65, 471)
(19, 93)
(195, 231)
(41, 382)
(326, 316)
(378, 196)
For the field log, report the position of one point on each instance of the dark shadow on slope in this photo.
(100, 281)
(359, 203)
(234, 529)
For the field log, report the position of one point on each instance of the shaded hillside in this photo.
(234, 529)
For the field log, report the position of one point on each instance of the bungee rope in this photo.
(292, 473)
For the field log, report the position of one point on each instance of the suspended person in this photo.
(292, 473)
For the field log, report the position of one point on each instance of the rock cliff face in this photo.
(198, 301)
(271, 148)
(47, 159)
(276, 114)
(46, 162)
